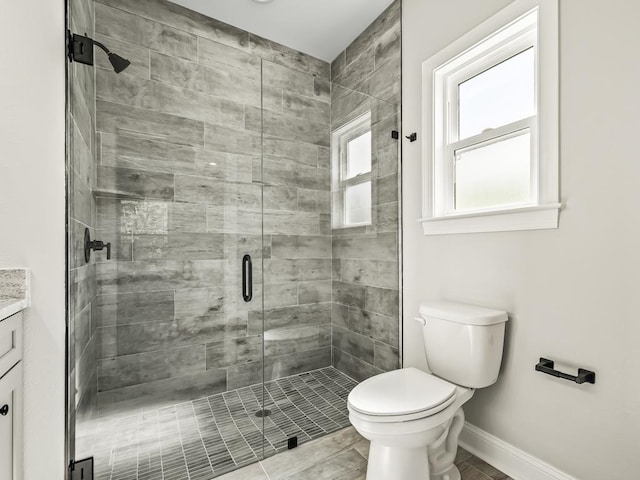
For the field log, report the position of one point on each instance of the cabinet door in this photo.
(11, 424)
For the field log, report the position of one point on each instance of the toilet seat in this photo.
(401, 395)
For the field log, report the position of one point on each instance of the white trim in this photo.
(507, 458)
(536, 217)
(438, 219)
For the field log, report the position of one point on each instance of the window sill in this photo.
(537, 217)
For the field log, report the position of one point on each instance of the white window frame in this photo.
(340, 139)
(502, 36)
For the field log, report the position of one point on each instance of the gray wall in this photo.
(173, 323)
(81, 174)
(571, 292)
(366, 76)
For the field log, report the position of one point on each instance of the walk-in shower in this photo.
(236, 311)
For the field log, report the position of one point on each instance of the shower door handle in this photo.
(247, 278)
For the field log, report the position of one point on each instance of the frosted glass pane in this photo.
(359, 155)
(357, 204)
(494, 175)
(498, 96)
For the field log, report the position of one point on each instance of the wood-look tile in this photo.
(302, 153)
(468, 472)
(233, 140)
(307, 108)
(286, 127)
(81, 15)
(288, 57)
(302, 269)
(490, 471)
(353, 366)
(222, 80)
(132, 277)
(386, 21)
(184, 19)
(295, 363)
(187, 217)
(146, 124)
(123, 309)
(135, 29)
(385, 357)
(346, 105)
(147, 367)
(295, 340)
(234, 351)
(378, 327)
(179, 246)
(348, 294)
(289, 79)
(252, 472)
(165, 98)
(280, 197)
(314, 292)
(314, 200)
(300, 246)
(287, 317)
(347, 465)
(282, 171)
(373, 247)
(385, 81)
(357, 345)
(310, 454)
(162, 392)
(382, 301)
(213, 54)
(291, 223)
(138, 55)
(135, 183)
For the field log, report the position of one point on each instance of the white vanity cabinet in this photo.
(11, 398)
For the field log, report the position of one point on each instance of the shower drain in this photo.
(263, 413)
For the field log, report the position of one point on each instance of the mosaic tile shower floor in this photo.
(205, 438)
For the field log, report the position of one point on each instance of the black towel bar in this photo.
(584, 376)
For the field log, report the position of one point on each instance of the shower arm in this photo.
(98, 44)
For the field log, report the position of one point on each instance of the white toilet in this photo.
(412, 418)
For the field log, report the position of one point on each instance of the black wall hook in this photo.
(413, 137)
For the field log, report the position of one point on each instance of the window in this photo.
(351, 173)
(490, 108)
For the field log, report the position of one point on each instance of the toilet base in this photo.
(452, 473)
(390, 463)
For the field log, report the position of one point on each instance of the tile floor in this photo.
(342, 456)
(208, 437)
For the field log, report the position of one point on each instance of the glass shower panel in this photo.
(178, 194)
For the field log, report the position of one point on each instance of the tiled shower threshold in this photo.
(205, 438)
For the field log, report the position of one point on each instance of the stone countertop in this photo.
(14, 291)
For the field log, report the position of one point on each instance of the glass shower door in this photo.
(165, 336)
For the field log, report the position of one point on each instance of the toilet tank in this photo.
(463, 342)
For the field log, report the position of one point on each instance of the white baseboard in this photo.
(505, 457)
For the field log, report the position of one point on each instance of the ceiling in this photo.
(321, 28)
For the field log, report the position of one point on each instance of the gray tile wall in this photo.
(173, 324)
(81, 175)
(366, 76)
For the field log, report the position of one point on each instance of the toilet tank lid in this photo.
(462, 313)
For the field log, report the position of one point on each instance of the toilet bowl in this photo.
(412, 418)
